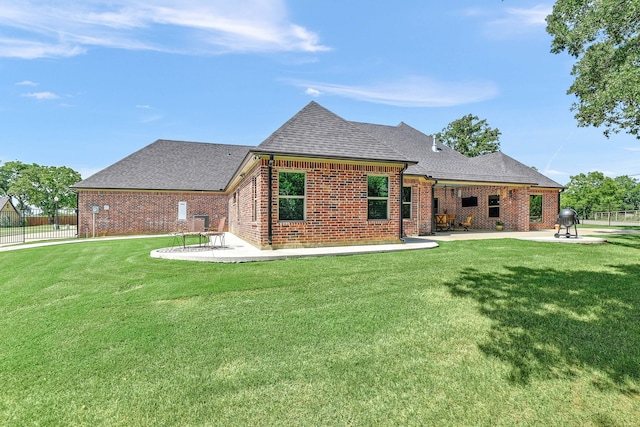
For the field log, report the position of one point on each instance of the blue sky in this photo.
(84, 83)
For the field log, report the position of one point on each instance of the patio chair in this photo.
(467, 223)
(441, 222)
(451, 221)
(215, 235)
(196, 225)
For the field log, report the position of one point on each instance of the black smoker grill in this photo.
(567, 218)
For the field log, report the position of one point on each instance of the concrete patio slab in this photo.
(237, 250)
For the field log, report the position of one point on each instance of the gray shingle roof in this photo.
(313, 132)
(316, 131)
(172, 165)
(504, 167)
(448, 164)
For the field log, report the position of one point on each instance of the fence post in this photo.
(23, 224)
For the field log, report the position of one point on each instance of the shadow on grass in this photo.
(627, 240)
(548, 323)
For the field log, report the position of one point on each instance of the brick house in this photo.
(319, 180)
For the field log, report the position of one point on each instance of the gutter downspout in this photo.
(401, 194)
(270, 201)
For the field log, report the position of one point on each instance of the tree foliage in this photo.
(594, 192)
(470, 136)
(33, 185)
(604, 37)
(628, 192)
(9, 172)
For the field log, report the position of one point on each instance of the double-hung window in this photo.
(406, 202)
(377, 197)
(494, 206)
(291, 196)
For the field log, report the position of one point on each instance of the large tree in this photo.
(10, 172)
(595, 192)
(470, 136)
(36, 185)
(603, 35)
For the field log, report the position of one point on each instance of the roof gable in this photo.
(4, 200)
(172, 165)
(507, 166)
(444, 163)
(316, 131)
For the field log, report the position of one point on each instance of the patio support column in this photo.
(433, 200)
(559, 194)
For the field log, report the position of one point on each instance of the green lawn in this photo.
(483, 333)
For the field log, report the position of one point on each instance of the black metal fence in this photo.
(21, 227)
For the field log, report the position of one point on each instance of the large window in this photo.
(378, 197)
(406, 202)
(291, 196)
(494, 206)
(535, 208)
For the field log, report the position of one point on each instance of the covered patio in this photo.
(462, 206)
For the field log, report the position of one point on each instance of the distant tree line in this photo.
(35, 186)
(595, 192)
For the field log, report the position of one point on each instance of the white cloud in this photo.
(144, 107)
(536, 15)
(409, 92)
(26, 83)
(41, 96)
(31, 49)
(515, 21)
(313, 92)
(42, 28)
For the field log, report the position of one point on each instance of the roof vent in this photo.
(435, 147)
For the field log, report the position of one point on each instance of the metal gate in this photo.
(24, 227)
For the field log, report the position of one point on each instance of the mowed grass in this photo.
(495, 332)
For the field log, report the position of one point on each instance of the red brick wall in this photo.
(550, 209)
(246, 220)
(420, 223)
(336, 206)
(144, 212)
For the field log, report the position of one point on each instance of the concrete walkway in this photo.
(237, 250)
